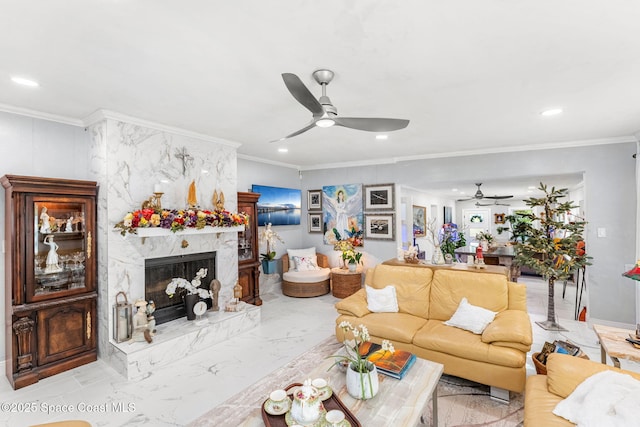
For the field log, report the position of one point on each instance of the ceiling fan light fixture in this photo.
(382, 137)
(551, 112)
(325, 123)
(24, 81)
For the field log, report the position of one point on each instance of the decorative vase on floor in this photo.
(362, 385)
(269, 266)
(352, 267)
(189, 302)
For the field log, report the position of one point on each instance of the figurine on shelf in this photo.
(52, 265)
(68, 228)
(235, 304)
(237, 291)
(218, 200)
(44, 220)
(151, 320)
(215, 286)
(192, 200)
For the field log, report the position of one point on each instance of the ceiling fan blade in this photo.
(302, 94)
(298, 132)
(371, 124)
(497, 197)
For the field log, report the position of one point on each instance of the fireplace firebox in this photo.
(158, 272)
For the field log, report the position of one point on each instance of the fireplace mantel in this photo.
(163, 232)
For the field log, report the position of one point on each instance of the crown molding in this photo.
(513, 149)
(41, 115)
(101, 115)
(267, 161)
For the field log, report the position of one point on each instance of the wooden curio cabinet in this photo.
(50, 276)
(248, 261)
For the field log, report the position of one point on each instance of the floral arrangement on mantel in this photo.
(179, 219)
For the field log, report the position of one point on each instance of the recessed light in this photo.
(531, 187)
(454, 189)
(551, 112)
(283, 150)
(24, 82)
(382, 136)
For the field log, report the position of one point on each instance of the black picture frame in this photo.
(314, 200)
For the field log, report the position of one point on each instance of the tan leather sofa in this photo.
(544, 392)
(429, 296)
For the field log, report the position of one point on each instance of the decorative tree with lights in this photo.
(550, 245)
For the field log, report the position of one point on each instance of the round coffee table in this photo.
(344, 282)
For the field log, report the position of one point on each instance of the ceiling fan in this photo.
(325, 114)
(479, 195)
(478, 204)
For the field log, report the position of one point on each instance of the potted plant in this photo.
(517, 223)
(450, 240)
(485, 239)
(551, 245)
(268, 258)
(352, 258)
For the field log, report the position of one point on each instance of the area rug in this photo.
(461, 403)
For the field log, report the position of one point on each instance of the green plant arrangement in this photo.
(551, 246)
(517, 223)
(451, 239)
(351, 256)
(483, 235)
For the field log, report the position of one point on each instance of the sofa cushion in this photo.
(448, 287)
(306, 263)
(299, 252)
(382, 300)
(471, 318)
(508, 328)
(311, 276)
(437, 336)
(396, 327)
(539, 404)
(412, 286)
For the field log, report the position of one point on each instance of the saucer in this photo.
(325, 392)
(343, 423)
(277, 408)
(288, 418)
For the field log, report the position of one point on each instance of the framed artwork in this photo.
(447, 214)
(379, 226)
(279, 206)
(379, 197)
(499, 218)
(315, 222)
(419, 221)
(342, 213)
(314, 200)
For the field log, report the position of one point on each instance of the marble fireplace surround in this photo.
(129, 158)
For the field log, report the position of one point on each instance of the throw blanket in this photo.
(605, 399)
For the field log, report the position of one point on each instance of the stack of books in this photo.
(394, 364)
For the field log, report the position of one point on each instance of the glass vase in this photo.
(362, 385)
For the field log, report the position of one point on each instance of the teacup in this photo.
(334, 417)
(319, 383)
(278, 396)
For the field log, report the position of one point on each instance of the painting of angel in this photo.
(342, 213)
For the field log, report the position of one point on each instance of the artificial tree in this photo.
(550, 244)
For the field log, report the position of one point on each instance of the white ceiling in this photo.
(472, 76)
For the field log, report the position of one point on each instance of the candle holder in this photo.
(153, 202)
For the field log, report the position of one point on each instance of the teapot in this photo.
(306, 405)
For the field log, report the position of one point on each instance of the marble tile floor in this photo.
(181, 392)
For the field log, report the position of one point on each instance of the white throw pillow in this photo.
(471, 318)
(382, 300)
(306, 263)
(299, 252)
(605, 399)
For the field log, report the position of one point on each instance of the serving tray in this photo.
(332, 402)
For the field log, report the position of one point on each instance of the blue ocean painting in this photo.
(277, 205)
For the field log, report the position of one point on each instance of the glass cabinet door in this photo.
(246, 238)
(60, 242)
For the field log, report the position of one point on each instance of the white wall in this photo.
(38, 148)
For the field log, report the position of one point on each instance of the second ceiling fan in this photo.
(324, 114)
(479, 195)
